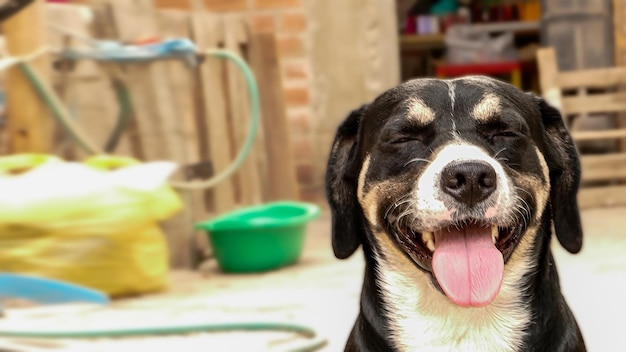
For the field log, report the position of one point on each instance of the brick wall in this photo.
(286, 18)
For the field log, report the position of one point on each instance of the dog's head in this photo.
(454, 174)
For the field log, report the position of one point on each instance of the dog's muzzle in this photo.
(467, 264)
(465, 224)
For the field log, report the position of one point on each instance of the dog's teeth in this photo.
(494, 233)
(429, 240)
(430, 245)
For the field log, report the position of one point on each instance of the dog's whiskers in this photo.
(402, 215)
(525, 191)
(416, 160)
(523, 209)
(524, 204)
(498, 153)
(400, 220)
(402, 200)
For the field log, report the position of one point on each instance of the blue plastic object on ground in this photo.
(46, 291)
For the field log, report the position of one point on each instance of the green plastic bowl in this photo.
(260, 238)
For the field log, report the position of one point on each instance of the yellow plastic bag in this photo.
(91, 223)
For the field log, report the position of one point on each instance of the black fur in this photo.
(341, 187)
(553, 327)
(564, 166)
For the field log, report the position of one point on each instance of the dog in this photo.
(452, 188)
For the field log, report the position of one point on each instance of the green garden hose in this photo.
(255, 106)
(61, 114)
(314, 343)
(123, 99)
(59, 111)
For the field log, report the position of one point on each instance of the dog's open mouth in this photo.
(466, 260)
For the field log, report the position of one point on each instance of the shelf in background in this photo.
(437, 41)
(422, 41)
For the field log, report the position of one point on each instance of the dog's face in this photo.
(455, 175)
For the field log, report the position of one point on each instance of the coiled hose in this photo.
(60, 113)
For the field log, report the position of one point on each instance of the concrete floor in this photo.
(323, 293)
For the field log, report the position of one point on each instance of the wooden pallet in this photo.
(603, 175)
(195, 116)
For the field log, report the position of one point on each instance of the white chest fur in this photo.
(423, 319)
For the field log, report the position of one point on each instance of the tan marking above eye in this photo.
(487, 107)
(419, 111)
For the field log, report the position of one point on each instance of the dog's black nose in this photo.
(469, 182)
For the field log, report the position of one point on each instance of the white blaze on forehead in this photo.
(452, 95)
(487, 107)
(419, 111)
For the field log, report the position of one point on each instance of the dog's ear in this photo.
(341, 184)
(564, 165)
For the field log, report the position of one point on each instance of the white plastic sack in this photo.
(466, 46)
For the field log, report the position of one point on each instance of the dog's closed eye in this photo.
(403, 139)
(507, 134)
(401, 134)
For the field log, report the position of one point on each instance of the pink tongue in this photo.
(468, 266)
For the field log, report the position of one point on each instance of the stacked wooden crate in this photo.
(589, 93)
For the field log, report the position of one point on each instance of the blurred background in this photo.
(166, 158)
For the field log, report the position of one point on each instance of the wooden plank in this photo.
(87, 88)
(619, 32)
(592, 78)
(158, 129)
(605, 102)
(603, 167)
(619, 35)
(29, 122)
(551, 92)
(104, 28)
(422, 42)
(259, 145)
(608, 196)
(161, 133)
(207, 33)
(595, 135)
(239, 107)
(281, 168)
(609, 167)
(177, 24)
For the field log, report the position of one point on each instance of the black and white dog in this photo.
(452, 188)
